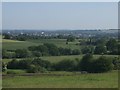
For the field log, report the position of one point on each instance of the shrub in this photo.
(11, 72)
(65, 65)
(102, 64)
(76, 52)
(42, 63)
(13, 64)
(24, 64)
(37, 54)
(21, 53)
(100, 49)
(86, 62)
(36, 69)
(116, 63)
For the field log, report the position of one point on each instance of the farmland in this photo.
(104, 80)
(14, 44)
(19, 78)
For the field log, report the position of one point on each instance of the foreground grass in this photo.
(103, 80)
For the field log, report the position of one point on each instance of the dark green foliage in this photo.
(14, 64)
(42, 63)
(36, 69)
(8, 54)
(43, 49)
(76, 52)
(70, 38)
(53, 49)
(32, 48)
(21, 53)
(24, 64)
(100, 49)
(36, 54)
(87, 49)
(7, 36)
(66, 65)
(4, 68)
(65, 51)
(89, 64)
(102, 64)
(116, 63)
(112, 45)
(86, 63)
(101, 41)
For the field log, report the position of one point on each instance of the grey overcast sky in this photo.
(59, 15)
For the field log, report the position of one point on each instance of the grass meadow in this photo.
(14, 44)
(100, 80)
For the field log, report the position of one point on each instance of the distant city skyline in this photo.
(59, 15)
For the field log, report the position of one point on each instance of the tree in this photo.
(102, 64)
(86, 63)
(87, 49)
(76, 52)
(35, 69)
(24, 64)
(7, 36)
(36, 53)
(101, 41)
(4, 68)
(42, 63)
(70, 38)
(112, 45)
(100, 49)
(65, 65)
(21, 53)
(13, 64)
(116, 63)
(53, 49)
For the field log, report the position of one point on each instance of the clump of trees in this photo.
(70, 38)
(32, 66)
(87, 63)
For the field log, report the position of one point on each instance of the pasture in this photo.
(14, 44)
(100, 80)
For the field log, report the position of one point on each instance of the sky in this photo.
(59, 15)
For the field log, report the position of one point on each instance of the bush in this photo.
(76, 52)
(13, 64)
(21, 53)
(116, 63)
(24, 64)
(102, 64)
(11, 72)
(37, 54)
(89, 64)
(36, 69)
(4, 68)
(65, 65)
(87, 50)
(100, 49)
(86, 63)
(42, 63)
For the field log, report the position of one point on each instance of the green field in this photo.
(54, 79)
(103, 80)
(14, 44)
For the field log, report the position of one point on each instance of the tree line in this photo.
(48, 49)
(88, 64)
